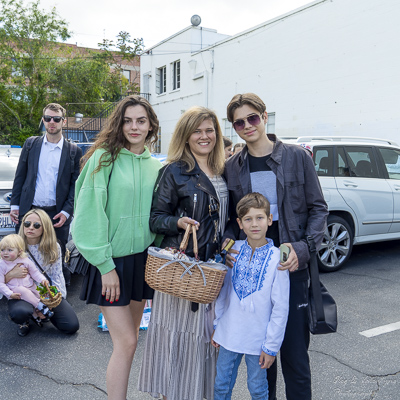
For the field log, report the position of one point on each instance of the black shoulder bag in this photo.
(40, 267)
(322, 310)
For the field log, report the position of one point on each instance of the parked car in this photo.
(360, 179)
(9, 156)
(84, 146)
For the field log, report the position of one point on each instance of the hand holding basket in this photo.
(50, 299)
(192, 279)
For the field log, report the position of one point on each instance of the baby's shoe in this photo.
(23, 329)
(37, 321)
(47, 312)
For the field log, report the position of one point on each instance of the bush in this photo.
(17, 136)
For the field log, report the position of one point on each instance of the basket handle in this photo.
(189, 229)
(195, 244)
(48, 289)
(185, 239)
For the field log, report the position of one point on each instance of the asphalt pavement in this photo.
(345, 365)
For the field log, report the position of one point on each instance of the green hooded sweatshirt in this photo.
(114, 222)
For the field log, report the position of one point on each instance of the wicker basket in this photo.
(191, 280)
(53, 301)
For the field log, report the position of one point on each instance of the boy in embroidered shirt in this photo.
(252, 307)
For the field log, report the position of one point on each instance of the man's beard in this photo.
(56, 132)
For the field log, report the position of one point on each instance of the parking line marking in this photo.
(381, 329)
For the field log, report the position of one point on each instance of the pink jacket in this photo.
(7, 266)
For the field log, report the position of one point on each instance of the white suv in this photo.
(360, 179)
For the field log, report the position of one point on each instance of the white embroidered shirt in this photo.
(253, 305)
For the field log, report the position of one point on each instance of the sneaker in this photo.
(47, 312)
(23, 329)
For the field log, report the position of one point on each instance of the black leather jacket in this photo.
(173, 198)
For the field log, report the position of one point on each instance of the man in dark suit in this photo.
(45, 178)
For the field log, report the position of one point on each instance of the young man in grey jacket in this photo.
(286, 176)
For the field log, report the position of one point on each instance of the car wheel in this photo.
(336, 245)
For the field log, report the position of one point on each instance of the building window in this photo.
(146, 83)
(157, 147)
(161, 80)
(229, 132)
(271, 123)
(127, 74)
(176, 78)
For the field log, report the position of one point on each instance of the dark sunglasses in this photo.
(36, 225)
(239, 124)
(48, 118)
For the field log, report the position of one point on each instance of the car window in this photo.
(342, 168)
(323, 160)
(361, 162)
(391, 158)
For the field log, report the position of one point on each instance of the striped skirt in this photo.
(179, 360)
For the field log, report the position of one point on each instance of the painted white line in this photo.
(381, 329)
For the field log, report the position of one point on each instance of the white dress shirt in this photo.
(46, 181)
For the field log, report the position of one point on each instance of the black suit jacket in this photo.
(23, 190)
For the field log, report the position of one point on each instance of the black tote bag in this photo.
(322, 310)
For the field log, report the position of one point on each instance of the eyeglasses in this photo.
(36, 225)
(239, 124)
(48, 118)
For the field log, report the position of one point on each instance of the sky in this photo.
(155, 20)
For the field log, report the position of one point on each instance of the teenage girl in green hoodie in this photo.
(111, 228)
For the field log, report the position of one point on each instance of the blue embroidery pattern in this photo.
(249, 272)
(269, 352)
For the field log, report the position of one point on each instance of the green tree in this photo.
(37, 68)
(125, 51)
(28, 55)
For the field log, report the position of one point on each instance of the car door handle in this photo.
(397, 187)
(350, 183)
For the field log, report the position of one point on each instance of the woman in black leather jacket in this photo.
(174, 198)
(179, 360)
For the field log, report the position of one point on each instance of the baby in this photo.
(12, 253)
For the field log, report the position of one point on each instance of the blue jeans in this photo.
(227, 369)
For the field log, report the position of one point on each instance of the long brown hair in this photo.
(179, 149)
(111, 138)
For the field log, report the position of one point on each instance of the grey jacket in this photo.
(301, 205)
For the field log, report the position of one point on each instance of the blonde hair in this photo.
(14, 241)
(48, 241)
(179, 149)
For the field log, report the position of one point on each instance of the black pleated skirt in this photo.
(130, 270)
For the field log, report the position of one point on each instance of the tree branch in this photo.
(13, 113)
